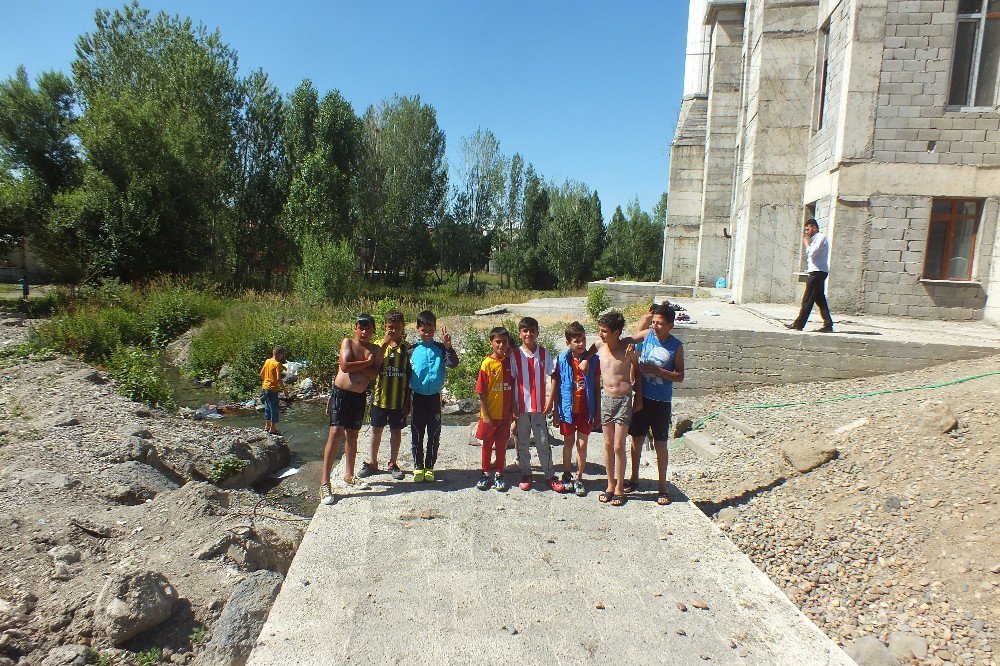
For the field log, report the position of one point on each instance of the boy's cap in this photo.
(365, 319)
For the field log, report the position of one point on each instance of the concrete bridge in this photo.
(444, 573)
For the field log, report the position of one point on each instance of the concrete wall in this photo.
(687, 170)
(625, 293)
(779, 47)
(720, 146)
(726, 359)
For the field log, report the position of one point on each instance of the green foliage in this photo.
(140, 376)
(574, 236)
(225, 467)
(199, 636)
(461, 380)
(383, 306)
(166, 314)
(634, 243)
(326, 274)
(597, 302)
(149, 657)
(94, 658)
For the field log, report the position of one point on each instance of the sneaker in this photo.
(368, 469)
(418, 476)
(429, 475)
(499, 483)
(357, 484)
(567, 479)
(396, 472)
(525, 483)
(326, 495)
(484, 482)
(555, 485)
(579, 488)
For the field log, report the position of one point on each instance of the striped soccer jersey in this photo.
(531, 376)
(393, 378)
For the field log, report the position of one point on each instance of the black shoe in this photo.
(484, 482)
(367, 469)
(793, 327)
(825, 329)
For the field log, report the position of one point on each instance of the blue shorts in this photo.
(270, 400)
(382, 416)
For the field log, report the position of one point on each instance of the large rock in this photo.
(242, 618)
(936, 418)
(263, 455)
(66, 655)
(45, 478)
(134, 482)
(133, 602)
(870, 651)
(905, 645)
(806, 455)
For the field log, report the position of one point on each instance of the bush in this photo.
(597, 302)
(226, 467)
(383, 306)
(140, 376)
(326, 274)
(90, 333)
(167, 314)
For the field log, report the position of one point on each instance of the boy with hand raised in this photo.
(429, 360)
(532, 367)
(359, 363)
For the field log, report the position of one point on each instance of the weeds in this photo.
(139, 376)
(225, 467)
(597, 302)
(149, 657)
(199, 636)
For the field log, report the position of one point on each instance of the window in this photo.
(974, 69)
(951, 239)
(822, 65)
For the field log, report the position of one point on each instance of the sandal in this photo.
(630, 486)
(605, 497)
(617, 500)
(663, 499)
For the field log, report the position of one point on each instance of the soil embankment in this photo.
(110, 534)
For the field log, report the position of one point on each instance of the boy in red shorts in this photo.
(495, 387)
(574, 391)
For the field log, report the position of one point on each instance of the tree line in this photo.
(156, 157)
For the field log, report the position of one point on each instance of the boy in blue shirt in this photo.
(428, 362)
(661, 363)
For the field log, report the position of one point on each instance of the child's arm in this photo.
(637, 382)
(585, 359)
(553, 392)
(483, 413)
(353, 366)
(677, 374)
(377, 357)
(450, 355)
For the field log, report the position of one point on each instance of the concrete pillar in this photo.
(687, 166)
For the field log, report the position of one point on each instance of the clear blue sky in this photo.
(583, 89)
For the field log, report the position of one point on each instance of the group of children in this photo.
(518, 387)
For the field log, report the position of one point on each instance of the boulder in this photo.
(132, 602)
(870, 651)
(64, 555)
(904, 645)
(263, 455)
(452, 408)
(133, 482)
(468, 406)
(243, 616)
(66, 655)
(805, 455)
(936, 418)
(46, 478)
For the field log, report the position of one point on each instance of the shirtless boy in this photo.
(360, 361)
(619, 366)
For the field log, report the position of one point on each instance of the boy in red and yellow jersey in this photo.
(495, 387)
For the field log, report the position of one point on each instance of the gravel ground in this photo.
(894, 537)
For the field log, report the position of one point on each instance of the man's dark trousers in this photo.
(815, 293)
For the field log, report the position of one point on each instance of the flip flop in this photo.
(663, 499)
(605, 497)
(617, 500)
(630, 486)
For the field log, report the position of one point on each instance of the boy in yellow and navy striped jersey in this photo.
(391, 397)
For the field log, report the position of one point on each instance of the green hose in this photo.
(840, 398)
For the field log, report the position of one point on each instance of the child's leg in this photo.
(541, 432)
(330, 452)
(395, 438)
(501, 437)
(487, 448)
(620, 434)
(637, 443)
(350, 454)
(433, 430)
(522, 440)
(609, 454)
(376, 442)
(581, 453)
(662, 454)
(417, 429)
(568, 453)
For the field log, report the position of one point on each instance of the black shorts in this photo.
(382, 416)
(346, 408)
(655, 416)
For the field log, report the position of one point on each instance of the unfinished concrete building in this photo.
(877, 117)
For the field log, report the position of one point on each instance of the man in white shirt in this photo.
(818, 266)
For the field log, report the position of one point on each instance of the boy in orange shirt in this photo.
(270, 384)
(495, 387)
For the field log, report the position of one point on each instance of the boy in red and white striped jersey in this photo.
(533, 367)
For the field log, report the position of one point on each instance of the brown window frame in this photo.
(949, 237)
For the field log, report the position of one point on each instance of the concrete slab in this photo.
(746, 429)
(525, 577)
(701, 444)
